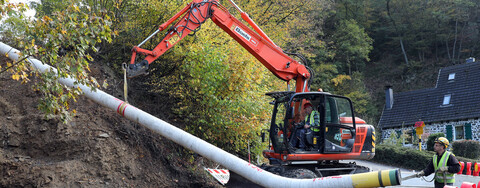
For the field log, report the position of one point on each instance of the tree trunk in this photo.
(461, 41)
(398, 33)
(448, 50)
(403, 51)
(436, 46)
(349, 65)
(454, 42)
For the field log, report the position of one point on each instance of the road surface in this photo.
(237, 181)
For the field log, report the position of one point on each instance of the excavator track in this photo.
(320, 169)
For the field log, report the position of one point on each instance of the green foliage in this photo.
(134, 21)
(464, 159)
(434, 34)
(11, 19)
(431, 140)
(354, 88)
(293, 25)
(348, 49)
(466, 148)
(66, 40)
(49, 7)
(428, 28)
(11, 9)
(402, 157)
(327, 77)
(395, 139)
(352, 46)
(223, 106)
(392, 140)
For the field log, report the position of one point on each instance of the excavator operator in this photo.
(307, 127)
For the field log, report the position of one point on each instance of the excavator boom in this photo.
(257, 43)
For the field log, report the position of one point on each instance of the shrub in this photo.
(466, 148)
(431, 140)
(407, 158)
(402, 157)
(392, 140)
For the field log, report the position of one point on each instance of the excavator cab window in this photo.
(277, 133)
(338, 136)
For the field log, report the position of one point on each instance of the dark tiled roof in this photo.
(426, 104)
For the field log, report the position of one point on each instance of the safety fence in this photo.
(464, 185)
(469, 168)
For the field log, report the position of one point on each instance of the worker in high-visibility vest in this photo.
(444, 164)
(311, 124)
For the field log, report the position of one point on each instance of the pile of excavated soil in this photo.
(98, 148)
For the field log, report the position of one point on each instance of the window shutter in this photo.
(449, 132)
(468, 131)
(414, 132)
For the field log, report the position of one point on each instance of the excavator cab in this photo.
(339, 136)
(333, 136)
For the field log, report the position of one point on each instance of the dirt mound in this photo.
(97, 149)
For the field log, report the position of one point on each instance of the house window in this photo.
(446, 99)
(459, 132)
(451, 76)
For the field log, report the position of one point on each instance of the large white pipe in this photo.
(241, 167)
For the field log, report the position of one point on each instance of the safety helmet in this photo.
(307, 104)
(442, 140)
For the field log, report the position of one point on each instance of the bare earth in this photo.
(97, 149)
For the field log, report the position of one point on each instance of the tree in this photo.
(65, 40)
(352, 46)
(12, 19)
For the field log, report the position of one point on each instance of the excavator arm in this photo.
(336, 140)
(257, 43)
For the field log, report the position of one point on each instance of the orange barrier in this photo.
(469, 168)
(462, 165)
(468, 185)
(476, 170)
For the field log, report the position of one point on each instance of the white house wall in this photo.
(436, 128)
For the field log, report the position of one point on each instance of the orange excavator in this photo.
(340, 135)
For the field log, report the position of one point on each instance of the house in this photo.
(451, 107)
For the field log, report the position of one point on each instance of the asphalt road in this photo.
(238, 181)
(418, 182)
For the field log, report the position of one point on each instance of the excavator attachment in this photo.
(138, 69)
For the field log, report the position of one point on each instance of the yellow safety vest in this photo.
(450, 177)
(311, 120)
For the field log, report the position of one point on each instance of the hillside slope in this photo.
(98, 148)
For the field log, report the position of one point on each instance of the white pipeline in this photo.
(241, 167)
